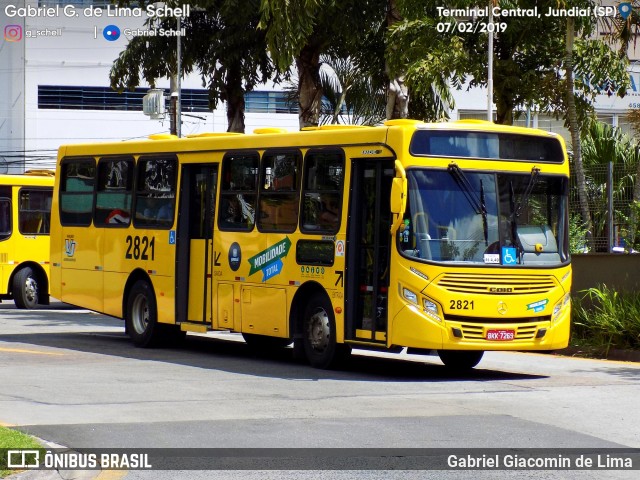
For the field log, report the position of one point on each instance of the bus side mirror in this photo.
(398, 196)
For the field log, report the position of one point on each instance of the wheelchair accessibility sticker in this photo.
(509, 256)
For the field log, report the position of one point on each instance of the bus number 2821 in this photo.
(140, 248)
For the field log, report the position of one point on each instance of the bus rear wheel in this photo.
(142, 316)
(26, 288)
(460, 359)
(319, 334)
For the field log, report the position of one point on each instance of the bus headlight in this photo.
(560, 306)
(409, 295)
(431, 309)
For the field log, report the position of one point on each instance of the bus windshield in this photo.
(471, 217)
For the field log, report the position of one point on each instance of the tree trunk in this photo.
(309, 88)
(235, 100)
(504, 111)
(574, 128)
(398, 92)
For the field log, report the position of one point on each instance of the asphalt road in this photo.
(72, 377)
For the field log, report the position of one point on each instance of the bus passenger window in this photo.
(155, 192)
(34, 212)
(322, 191)
(114, 194)
(5, 218)
(76, 191)
(238, 191)
(279, 191)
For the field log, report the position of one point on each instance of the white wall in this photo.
(81, 56)
(12, 115)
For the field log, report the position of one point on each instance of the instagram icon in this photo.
(13, 33)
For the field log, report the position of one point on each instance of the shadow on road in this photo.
(235, 356)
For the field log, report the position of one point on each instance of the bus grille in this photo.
(477, 332)
(496, 284)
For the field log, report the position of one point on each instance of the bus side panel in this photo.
(225, 306)
(114, 284)
(82, 267)
(264, 310)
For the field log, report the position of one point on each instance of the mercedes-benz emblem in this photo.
(502, 308)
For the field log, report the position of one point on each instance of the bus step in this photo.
(194, 327)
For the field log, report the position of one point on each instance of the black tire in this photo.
(460, 359)
(264, 343)
(25, 288)
(142, 316)
(319, 334)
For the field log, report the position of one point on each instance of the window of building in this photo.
(76, 191)
(66, 97)
(115, 192)
(238, 192)
(322, 191)
(155, 192)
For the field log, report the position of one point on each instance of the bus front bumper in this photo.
(412, 328)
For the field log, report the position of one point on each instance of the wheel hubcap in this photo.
(319, 330)
(31, 290)
(140, 314)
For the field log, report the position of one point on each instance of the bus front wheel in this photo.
(319, 334)
(25, 288)
(460, 359)
(142, 315)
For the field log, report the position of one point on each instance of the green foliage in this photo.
(222, 43)
(629, 230)
(577, 234)
(604, 319)
(529, 57)
(13, 439)
(349, 94)
(601, 144)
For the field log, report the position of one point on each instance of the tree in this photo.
(349, 95)
(298, 32)
(222, 43)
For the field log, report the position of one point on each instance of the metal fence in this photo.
(610, 195)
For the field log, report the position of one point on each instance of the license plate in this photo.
(500, 335)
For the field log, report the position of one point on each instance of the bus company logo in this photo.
(235, 256)
(13, 33)
(23, 459)
(502, 308)
(500, 289)
(69, 247)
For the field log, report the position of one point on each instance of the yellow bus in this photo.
(25, 219)
(450, 237)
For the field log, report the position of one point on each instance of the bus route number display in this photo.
(140, 247)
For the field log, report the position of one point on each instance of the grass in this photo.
(13, 439)
(604, 319)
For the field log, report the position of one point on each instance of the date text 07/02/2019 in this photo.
(471, 27)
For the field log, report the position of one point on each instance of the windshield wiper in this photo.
(516, 209)
(533, 179)
(478, 204)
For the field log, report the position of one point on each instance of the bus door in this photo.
(194, 259)
(367, 272)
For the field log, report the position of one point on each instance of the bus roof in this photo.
(31, 178)
(262, 138)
